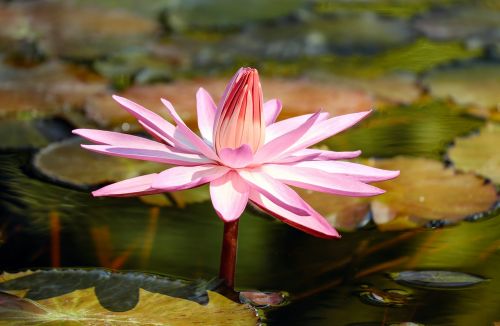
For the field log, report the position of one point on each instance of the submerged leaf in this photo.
(426, 190)
(436, 279)
(479, 153)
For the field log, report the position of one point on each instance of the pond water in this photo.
(425, 253)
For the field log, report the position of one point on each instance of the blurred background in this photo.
(431, 70)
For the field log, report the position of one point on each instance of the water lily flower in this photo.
(244, 154)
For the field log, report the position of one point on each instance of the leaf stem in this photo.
(228, 254)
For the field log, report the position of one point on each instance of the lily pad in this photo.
(421, 129)
(397, 8)
(354, 33)
(473, 84)
(67, 162)
(436, 279)
(426, 190)
(99, 296)
(193, 14)
(344, 213)
(297, 96)
(461, 23)
(82, 32)
(391, 88)
(46, 89)
(479, 153)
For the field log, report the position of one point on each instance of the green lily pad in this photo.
(397, 8)
(67, 162)
(191, 14)
(421, 129)
(436, 279)
(479, 23)
(354, 33)
(426, 190)
(67, 297)
(473, 84)
(479, 153)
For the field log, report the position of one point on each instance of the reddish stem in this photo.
(228, 255)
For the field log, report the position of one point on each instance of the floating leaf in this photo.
(460, 23)
(67, 162)
(344, 213)
(392, 88)
(297, 96)
(479, 153)
(422, 129)
(225, 13)
(473, 84)
(426, 190)
(118, 299)
(436, 279)
(47, 89)
(347, 33)
(407, 8)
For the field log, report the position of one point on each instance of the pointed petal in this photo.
(162, 127)
(229, 195)
(357, 171)
(238, 157)
(317, 155)
(206, 109)
(137, 186)
(276, 191)
(186, 177)
(282, 127)
(118, 139)
(196, 141)
(162, 156)
(318, 180)
(312, 223)
(277, 146)
(272, 109)
(328, 128)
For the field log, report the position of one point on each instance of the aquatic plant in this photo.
(245, 155)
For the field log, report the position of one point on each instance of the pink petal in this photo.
(238, 157)
(206, 109)
(186, 177)
(166, 155)
(162, 127)
(229, 195)
(276, 191)
(198, 143)
(328, 128)
(318, 180)
(272, 109)
(312, 223)
(282, 127)
(137, 186)
(118, 139)
(280, 144)
(318, 155)
(357, 171)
